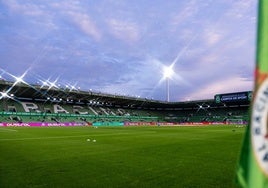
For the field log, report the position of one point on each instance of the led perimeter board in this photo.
(233, 97)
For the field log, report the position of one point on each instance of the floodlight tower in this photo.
(168, 72)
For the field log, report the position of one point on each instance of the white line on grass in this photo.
(6, 129)
(59, 137)
(40, 138)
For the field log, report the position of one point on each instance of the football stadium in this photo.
(58, 137)
(134, 94)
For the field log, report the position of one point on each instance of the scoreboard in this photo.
(233, 97)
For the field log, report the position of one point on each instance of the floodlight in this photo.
(44, 83)
(19, 79)
(72, 88)
(53, 84)
(168, 72)
(4, 94)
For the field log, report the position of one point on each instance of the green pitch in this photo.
(120, 157)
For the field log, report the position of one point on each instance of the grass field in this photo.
(120, 157)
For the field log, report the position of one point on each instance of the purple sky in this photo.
(122, 46)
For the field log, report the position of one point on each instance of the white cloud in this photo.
(213, 37)
(68, 5)
(80, 16)
(214, 33)
(240, 8)
(227, 85)
(124, 30)
(137, 80)
(25, 8)
(187, 12)
(85, 23)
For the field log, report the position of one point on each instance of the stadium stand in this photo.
(33, 103)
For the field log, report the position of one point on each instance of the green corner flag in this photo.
(253, 166)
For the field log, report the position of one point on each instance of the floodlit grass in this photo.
(120, 157)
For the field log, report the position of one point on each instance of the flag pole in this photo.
(252, 171)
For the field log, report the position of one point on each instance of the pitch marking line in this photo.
(41, 138)
(6, 129)
(59, 137)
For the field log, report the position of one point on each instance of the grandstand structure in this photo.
(22, 104)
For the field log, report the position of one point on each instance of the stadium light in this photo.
(6, 95)
(168, 72)
(3, 95)
(53, 84)
(19, 79)
(44, 83)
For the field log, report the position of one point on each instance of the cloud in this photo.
(77, 13)
(85, 23)
(124, 30)
(231, 84)
(240, 9)
(188, 11)
(28, 17)
(68, 5)
(25, 8)
(212, 37)
(146, 73)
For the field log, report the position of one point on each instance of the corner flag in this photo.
(253, 166)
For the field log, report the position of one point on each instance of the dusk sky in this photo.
(122, 46)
